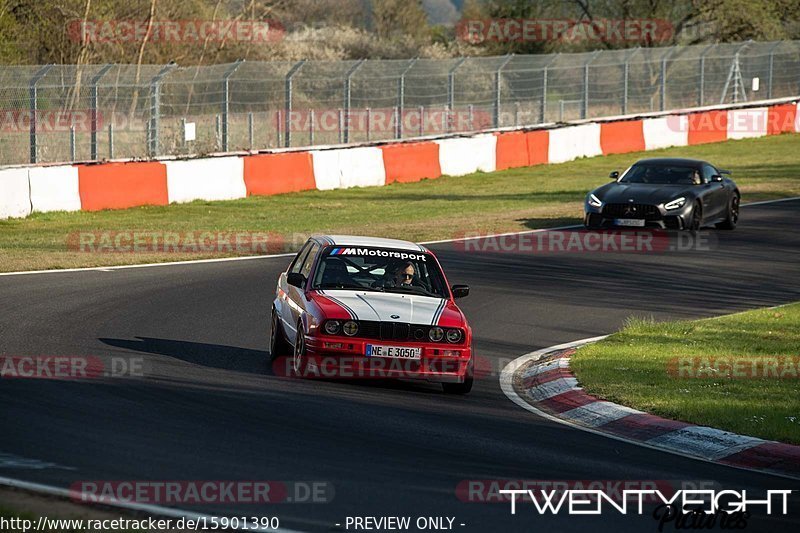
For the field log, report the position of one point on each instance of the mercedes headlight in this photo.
(350, 328)
(436, 334)
(332, 327)
(594, 201)
(675, 204)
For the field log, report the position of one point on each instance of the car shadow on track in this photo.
(257, 362)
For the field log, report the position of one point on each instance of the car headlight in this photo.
(350, 328)
(454, 335)
(675, 204)
(594, 201)
(436, 334)
(332, 327)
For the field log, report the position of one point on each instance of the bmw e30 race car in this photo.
(666, 193)
(367, 307)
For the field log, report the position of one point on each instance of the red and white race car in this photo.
(365, 307)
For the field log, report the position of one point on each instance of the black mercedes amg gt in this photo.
(665, 193)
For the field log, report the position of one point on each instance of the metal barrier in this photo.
(58, 113)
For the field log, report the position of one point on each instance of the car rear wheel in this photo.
(696, 217)
(460, 388)
(732, 216)
(299, 357)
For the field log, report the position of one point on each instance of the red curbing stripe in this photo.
(781, 119)
(708, 127)
(567, 401)
(776, 456)
(643, 426)
(512, 150)
(409, 162)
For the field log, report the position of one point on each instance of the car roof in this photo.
(377, 242)
(695, 163)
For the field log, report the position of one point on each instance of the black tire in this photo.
(732, 216)
(460, 388)
(277, 340)
(697, 217)
(299, 354)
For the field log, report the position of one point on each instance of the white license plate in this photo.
(637, 222)
(396, 352)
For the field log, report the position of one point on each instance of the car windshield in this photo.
(662, 175)
(379, 269)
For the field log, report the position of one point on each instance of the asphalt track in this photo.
(209, 407)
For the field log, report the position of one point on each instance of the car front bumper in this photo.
(678, 219)
(344, 358)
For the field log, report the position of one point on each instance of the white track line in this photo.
(507, 386)
(291, 254)
(156, 510)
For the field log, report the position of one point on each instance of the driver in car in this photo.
(404, 275)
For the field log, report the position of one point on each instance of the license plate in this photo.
(637, 222)
(395, 352)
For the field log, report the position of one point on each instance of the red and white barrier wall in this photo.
(118, 185)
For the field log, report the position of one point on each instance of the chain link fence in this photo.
(59, 113)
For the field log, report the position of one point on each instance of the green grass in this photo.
(511, 200)
(632, 368)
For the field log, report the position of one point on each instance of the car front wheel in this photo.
(299, 357)
(696, 217)
(732, 215)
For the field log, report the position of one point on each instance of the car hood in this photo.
(641, 193)
(389, 307)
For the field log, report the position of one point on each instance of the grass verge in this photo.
(738, 372)
(511, 200)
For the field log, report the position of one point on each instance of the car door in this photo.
(284, 303)
(715, 197)
(296, 298)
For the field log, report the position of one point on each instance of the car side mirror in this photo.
(460, 291)
(716, 177)
(296, 279)
(614, 175)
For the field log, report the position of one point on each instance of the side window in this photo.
(309, 260)
(300, 257)
(708, 171)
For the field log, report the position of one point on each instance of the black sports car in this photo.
(665, 193)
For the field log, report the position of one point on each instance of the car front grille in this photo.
(394, 331)
(637, 211)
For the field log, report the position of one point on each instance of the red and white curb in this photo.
(541, 382)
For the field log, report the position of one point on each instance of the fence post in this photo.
(585, 104)
(497, 89)
(111, 140)
(72, 143)
(543, 106)
(771, 67)
(226, 101)
(287, 103)
(625, 79)
(421, 120)
(311, 127)
(401, 98)
(155, 110)
(663, 81)
(702, 88)
(348, 76)
(250, 129)
(93, 110)
(369, 119)
(33, 98)
(451, 85)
